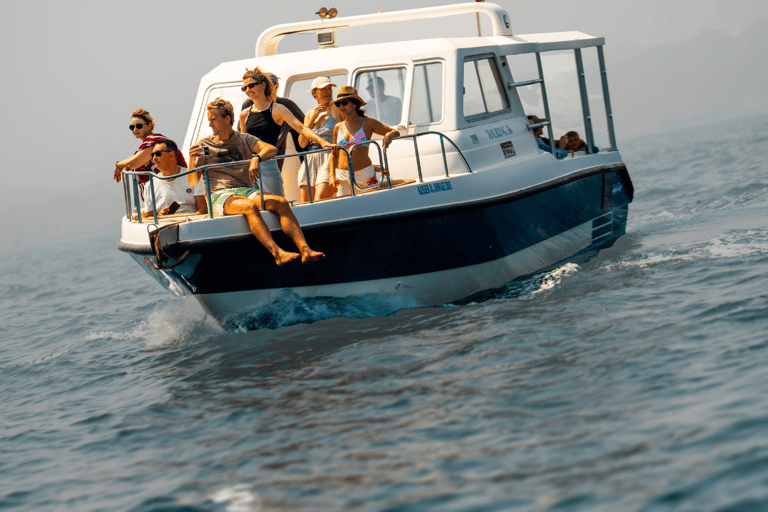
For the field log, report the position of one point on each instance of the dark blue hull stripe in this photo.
(402, 245)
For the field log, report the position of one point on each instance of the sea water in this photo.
(634, 381)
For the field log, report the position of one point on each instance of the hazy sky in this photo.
(73, 71)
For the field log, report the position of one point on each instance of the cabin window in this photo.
(427, 97)
(483, 88)
(298, 89)
(383, 91)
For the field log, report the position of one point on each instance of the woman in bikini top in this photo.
(355, 127)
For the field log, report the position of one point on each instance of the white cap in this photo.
(320, 82)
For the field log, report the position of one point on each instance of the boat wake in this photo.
(290, 309)
(169, 323)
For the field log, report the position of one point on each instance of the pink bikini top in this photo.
(356, 139)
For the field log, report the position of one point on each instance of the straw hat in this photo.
(347, 91)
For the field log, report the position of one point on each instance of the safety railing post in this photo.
(418, 159)
(607, 98)
(584, 99)
(309, 180)
(136, 197)
(154, 202)
(445, 158)
(127, 193)
(546, 103)
(208, 193)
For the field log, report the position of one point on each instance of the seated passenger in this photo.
(543, 142)
(354, 128)
(320, 120)
(189, 198)
(232, 188)
(571, 142)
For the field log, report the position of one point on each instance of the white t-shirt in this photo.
(168, 191)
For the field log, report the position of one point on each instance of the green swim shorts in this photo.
(220, 197)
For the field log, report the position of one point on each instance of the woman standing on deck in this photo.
(141, 126)
(314, 178)
(354, 128)
(264, 120)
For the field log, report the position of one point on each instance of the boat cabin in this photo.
(455, 101)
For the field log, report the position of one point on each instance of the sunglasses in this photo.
(251, 85)
(137, 126)
(345, 102)
(158, 153)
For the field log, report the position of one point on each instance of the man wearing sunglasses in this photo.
(232, 188)
(173, 195)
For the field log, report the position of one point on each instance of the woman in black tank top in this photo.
(265, 117)
(262, 125)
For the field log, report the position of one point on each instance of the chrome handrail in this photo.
(205, 168)
(443, 138)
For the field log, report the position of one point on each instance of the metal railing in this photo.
(584, 100)
(443, 138)
(133, 175)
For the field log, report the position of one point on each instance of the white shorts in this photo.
(363, 177)
(317, 163)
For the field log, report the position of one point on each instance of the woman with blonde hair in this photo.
(264, 120)
(141, 126)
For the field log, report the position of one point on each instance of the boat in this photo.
(471, 200)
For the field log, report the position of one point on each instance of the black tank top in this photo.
(261, 125)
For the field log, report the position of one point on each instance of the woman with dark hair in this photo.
(264, 120)
(355, 127)
(141, 126)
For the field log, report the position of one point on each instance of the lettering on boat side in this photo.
(499, 131)
(508, 148)
(431, 188)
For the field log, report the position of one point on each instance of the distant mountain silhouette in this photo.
(713, 76)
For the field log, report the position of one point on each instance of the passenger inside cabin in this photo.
(386, 108)
(321, 119)
(543, 142)
(232, 187)
(355, 127)
(571, 142)
(282, 137)
(189, 198)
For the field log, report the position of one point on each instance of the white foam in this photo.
(555, 277)
(238, 498)
(173, 321)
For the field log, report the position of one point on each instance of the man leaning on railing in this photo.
(232, 187)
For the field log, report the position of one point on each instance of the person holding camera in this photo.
(232, 187)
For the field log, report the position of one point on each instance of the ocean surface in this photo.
(635, 381)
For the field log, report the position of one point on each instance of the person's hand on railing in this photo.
(118, 172)
(389, 137)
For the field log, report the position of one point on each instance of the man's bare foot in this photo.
(284, 257)
(310, 256)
